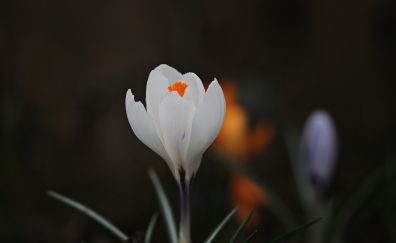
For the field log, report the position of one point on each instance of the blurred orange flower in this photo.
(238, 141)
(246, 195)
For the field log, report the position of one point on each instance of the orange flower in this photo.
(236, 138)
(246, 194)
(239, 142)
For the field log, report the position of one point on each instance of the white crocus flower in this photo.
(181, 120)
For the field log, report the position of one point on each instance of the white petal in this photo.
(206, 124)
(176, 116)
(156, 90)
(195, 89)
(170, 73)
(143, 127)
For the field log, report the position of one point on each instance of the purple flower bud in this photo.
(319, 148)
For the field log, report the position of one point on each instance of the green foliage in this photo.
(370, 185)
(241, 226)
(90, 213)
(250, 236)
(150, 228)
(293, 232)
(166, 210)
(216, 231)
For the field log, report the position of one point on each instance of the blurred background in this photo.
(65, 67)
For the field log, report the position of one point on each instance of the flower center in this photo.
(180, 87)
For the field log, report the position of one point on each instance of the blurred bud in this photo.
(319, 148)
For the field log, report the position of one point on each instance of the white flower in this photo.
(181, 120)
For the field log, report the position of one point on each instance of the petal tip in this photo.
(214, 83)
(169, 72)
(165, 68)
(191, 74)
(163, 65)
(129, 96)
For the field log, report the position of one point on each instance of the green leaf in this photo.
(242, 225)
(165, 207)
(90, 213)
(355, 200)
(150, 228)
(220, 226)
(294, 231)
(250, 236)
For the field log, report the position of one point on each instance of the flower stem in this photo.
(184, 231)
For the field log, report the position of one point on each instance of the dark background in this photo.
(65, 67)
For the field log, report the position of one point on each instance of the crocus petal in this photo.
(195, 90)
(176, 116)
(143, 127)
(172, 117)
(319, 144)
(171, 74)
(206, 125)
(156, 90)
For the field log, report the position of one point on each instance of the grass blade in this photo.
(165, 207)
(220, 226)
(242, 225)
(353, 202)
(295, 231)
(90, 213)
(250, 236)
(150, 228)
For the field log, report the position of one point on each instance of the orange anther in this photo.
(180, 87)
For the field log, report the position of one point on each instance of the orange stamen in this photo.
(180, 87)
